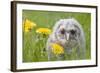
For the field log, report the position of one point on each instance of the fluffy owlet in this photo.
(69, 34)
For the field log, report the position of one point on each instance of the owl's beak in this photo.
(67, 36)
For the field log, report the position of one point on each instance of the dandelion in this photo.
(45, 31)
(57, 49)
(28, 25)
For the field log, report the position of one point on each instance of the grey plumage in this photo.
(69, 34)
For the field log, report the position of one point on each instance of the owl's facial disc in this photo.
(67, 34)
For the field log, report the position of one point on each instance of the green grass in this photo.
(33, 48)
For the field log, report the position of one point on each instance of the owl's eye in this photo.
(72, 32)
(62, 31)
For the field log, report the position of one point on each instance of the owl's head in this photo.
(67, 31)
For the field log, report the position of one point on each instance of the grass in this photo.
(34, 48)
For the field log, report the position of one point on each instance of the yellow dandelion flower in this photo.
(57, 49)
(28, 25)
(43, 31)
(26, 29)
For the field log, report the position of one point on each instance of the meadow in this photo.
(34, 44)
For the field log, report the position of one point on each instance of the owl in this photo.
(69, 34)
